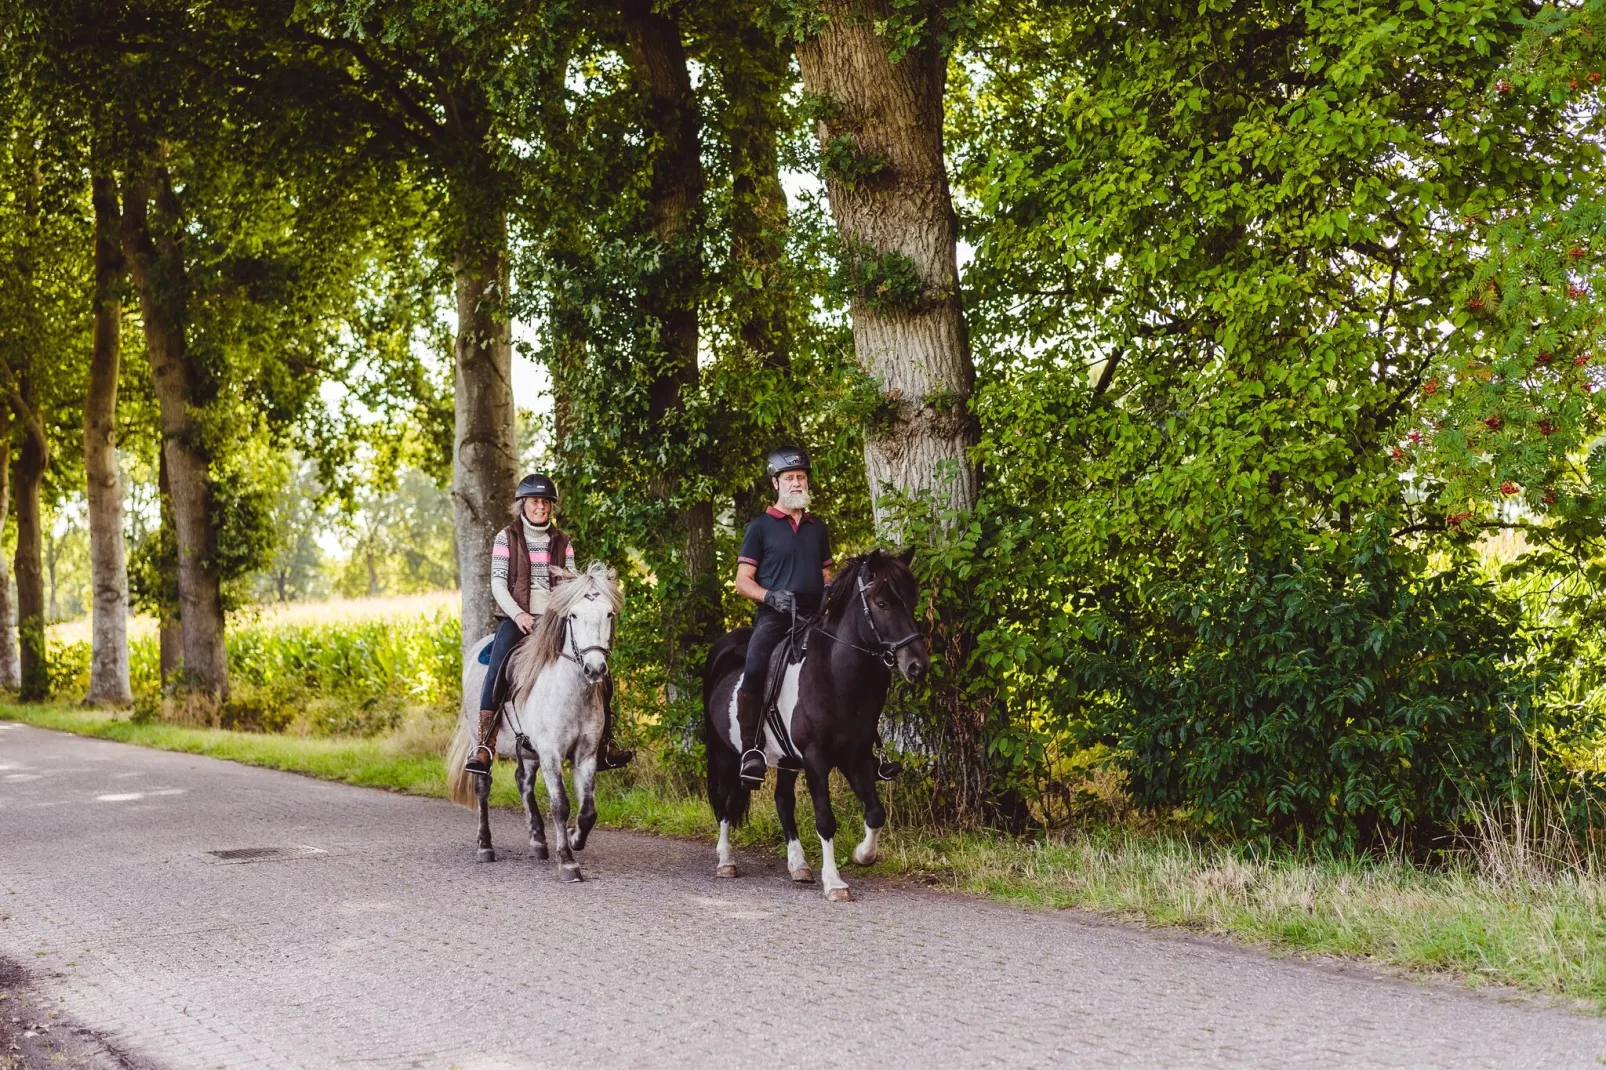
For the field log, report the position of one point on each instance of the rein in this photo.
(886, 652)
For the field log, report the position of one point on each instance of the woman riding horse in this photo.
(521, 586)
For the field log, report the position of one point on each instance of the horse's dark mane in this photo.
(877, 568)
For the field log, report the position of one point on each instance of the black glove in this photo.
(780, 601)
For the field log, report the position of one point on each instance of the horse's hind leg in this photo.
(819, 779)
(482, 790)
(862, 778)
(585, 784)
(786, 808)
(558, 799)
(532, 809)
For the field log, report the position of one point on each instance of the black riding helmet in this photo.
(787, 459)
(537, 485)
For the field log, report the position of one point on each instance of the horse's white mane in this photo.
(544, 644)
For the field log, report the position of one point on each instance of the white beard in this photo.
(795, 499)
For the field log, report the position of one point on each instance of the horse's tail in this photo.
(728, 653)
(727, 794)
(459, 781)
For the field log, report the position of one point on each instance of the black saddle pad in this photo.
(789, 651)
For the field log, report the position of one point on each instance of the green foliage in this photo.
(842, 160)
(886, 282)
(1347, 699)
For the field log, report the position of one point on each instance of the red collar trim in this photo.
(781, 514)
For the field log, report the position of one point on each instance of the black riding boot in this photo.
(484, 751)
(885, 768)
(747, 717)
(609, 756)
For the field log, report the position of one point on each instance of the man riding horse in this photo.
(785, 567)
(521, 560)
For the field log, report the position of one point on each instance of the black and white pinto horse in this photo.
(555, 705)
(828, 703)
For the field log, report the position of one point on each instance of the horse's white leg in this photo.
(557, 796)
(786, 809)
(836, 889)
(797, 863)
(532, 809)
(585, 784)
(865, 853)
(727, 861)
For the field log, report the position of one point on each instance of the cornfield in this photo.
(337, 676)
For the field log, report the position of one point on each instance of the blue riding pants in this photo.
(507, 637)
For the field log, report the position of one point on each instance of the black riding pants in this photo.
(507, 637)
(769, 628)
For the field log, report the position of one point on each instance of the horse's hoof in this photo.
(570, 874)
(868, 860)
(485, 854)
(803, 875)
(540, 851)
(727, 870)
(838, 895)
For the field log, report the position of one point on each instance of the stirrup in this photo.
(748, 779)
(473, 766)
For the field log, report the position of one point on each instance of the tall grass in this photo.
(336, 676)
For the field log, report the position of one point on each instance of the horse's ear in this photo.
(613, 577)
(557, 574)
(907, 556)
(873, 557)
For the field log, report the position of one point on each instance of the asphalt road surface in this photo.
(372, 938)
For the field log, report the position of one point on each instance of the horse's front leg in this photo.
(585, 784)
(558, 800)
(482, 790)
(525, 772)
(818, 774)
(862, 778)
(786, 809)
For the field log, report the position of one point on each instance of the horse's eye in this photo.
(881, 603)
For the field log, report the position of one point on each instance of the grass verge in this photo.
(1546, 934)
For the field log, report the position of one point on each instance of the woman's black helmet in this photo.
(536, 486)
(787, 459)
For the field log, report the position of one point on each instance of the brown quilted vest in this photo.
(518, 561)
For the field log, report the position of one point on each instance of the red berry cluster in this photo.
(1575, 292)
(1397, 453)
(1594, 78)
(1455, 518)
(1580, 360)
(1474, 303)
(1549, 497)
(1430, 387)
(1492, 422)
(1415, 437)
(1502, 86)
(1508, 487)
(1544, 356)
(1547, 428)
(1578, 252)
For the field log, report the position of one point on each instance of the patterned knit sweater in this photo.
(538, 538)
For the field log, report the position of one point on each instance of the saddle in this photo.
(789, 651)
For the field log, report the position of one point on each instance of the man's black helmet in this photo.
(786, 459)
(536, 486)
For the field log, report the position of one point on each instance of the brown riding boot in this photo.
(484, 752)
(608, 755)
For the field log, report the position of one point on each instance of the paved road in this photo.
(390, 947)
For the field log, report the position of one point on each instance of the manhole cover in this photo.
(263, 854)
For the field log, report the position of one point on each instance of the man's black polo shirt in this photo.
(787, 556)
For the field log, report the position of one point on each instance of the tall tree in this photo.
(154, 244)
(877, 72)
(671, 294)
(28, 476)
(10, 666)
(108, 562)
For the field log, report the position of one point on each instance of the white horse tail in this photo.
(459, 781)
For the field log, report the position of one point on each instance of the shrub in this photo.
(1346, 698)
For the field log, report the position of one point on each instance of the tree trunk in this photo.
(170, 638)
(882, 139)
(156, 261)
(10, 667)
(658, 60)
(485, 456)
(28, 476)
(108, 560)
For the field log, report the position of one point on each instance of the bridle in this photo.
(576, 653)
(885, 651)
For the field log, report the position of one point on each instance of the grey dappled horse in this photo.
(554, 706)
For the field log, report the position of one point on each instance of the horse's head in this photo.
(887, 593)
(588, 602)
